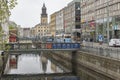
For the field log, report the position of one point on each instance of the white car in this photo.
(114, 42)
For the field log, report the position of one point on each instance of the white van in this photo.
(114, 42)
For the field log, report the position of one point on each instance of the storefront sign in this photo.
(116, 27)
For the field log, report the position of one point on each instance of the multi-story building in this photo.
(33, 32)
(20, 31)
(13, 37)
(13, 32)
(68, 20)
(100, 17)
(59, 22)
(88, 18)
(72, 19)
(26, 32)
(53, 24)
(42, 29)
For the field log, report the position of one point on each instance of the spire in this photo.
(44, 10)
(43, 4)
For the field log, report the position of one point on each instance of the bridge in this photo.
(18, 48)
(99, 61)
(31, 47)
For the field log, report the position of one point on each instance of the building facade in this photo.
(67, 20)
(53, 24)
(13, 31)
(20, 31)
(26, 32)
(59, 23)
(100, 17)
(72, 19)
(13, 37)
(33, 32)
(42, 29)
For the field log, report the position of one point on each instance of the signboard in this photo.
(116, 27)
(54, 46)
(64, 46)
(68, 45)
(58, 46)
(100, 37)
(76, 45)
(76, 30)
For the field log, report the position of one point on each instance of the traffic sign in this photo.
(100, 37)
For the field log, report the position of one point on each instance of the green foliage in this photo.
(0, 28)
(11, 27)
(7, 48)
(3, 45)
(5, 7)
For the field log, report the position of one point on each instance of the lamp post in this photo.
(108, 22)
(78, 33)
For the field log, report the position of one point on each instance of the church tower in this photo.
(44, 18)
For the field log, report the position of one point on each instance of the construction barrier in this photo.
(64, 46)
(54, 46)
(49, 45)
(76, 45)
(59, 45)
(68, 45)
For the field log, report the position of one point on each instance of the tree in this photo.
(5, 7)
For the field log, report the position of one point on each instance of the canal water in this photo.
(30, 64)
(38, 64)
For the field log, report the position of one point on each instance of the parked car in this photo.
(114, 42)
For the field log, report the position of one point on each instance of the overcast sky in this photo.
(27, 12)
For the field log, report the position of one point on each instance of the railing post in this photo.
(18, 45)
(26, 46)
(74, 62)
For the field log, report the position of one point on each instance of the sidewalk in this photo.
(94, 44)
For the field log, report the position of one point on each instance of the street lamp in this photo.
(108, 22)
(78, 33)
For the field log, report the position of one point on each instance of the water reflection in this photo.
(13, 62)
(44, 62)
(30, 64)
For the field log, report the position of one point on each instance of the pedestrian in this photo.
(84, 42)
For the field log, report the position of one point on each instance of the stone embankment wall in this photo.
(3, 61)
(88, 66)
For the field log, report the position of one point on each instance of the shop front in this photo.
(116, 27)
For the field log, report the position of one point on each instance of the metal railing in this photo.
(45, 46)
(113, 53)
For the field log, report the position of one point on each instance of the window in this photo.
(77, 27)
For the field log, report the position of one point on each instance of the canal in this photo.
(31, 64)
